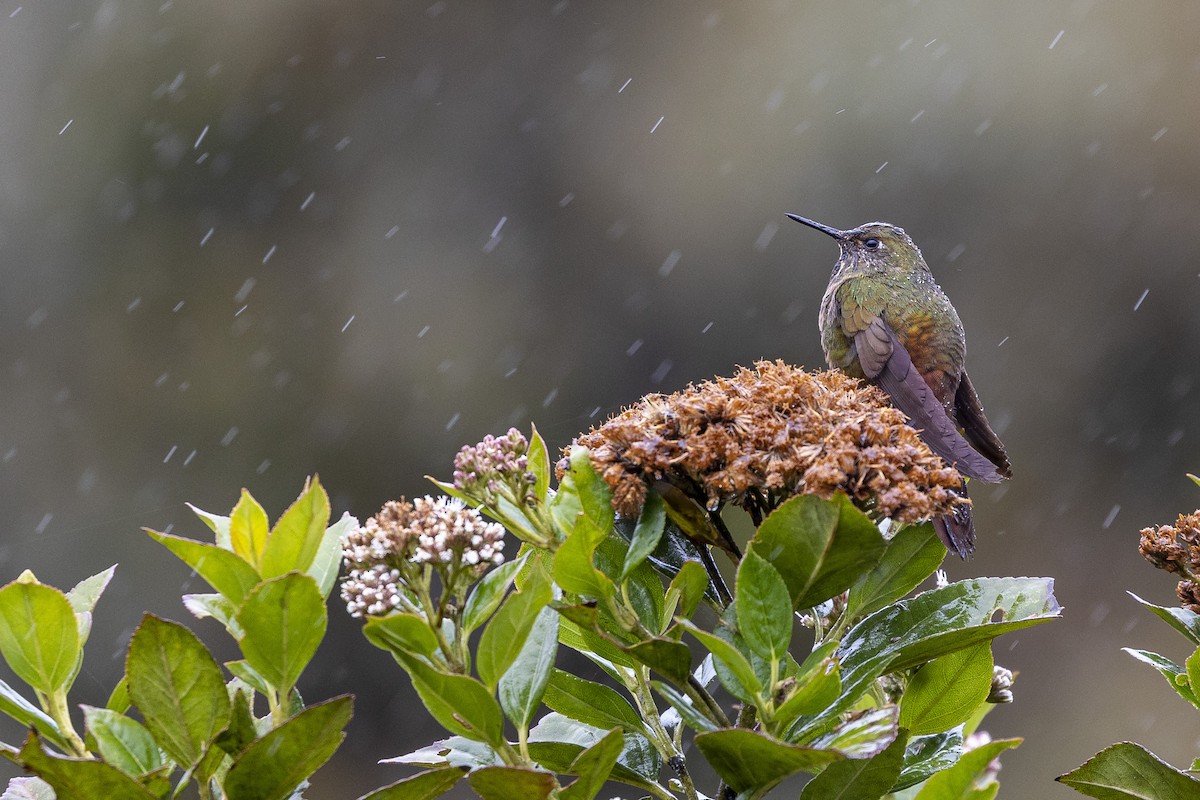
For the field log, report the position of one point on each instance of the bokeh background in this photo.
(245, 242)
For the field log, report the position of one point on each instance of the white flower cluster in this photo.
(447, 529)
(372, 592)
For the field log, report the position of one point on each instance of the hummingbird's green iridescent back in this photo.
(892, 282)
(884, 319)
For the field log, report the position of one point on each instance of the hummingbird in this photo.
(884, 319)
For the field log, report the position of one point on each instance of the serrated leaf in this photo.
(284, 622)
(764, 609)
(328, 559)
(593, 766)
(934, 623)
(505, 635)
(523, 684)
(242, 729)
(859, 778)
(29, 715)
(39, 637)
(217, 523)
(668, 657)
(512, 783)
(595, 498)
(80, 777)
(911, 556)
(248, 530)
(748, 760)
(686, 591)
(401, 631)
(84, 596)
(946, 692)
(538, 460)
(1183, 620)
(423, 786)
(488, 594)
(748, 683)
(862, 734)
(178, 688)
(1175, 674)
(293, 543)
(274, 765)
(1193, 670)
(223, 570)
(557, 741)
(216, 606)
(820, 547)
(122, 741)
(954, 783)
(461, 704)
(926, 755)
(591, 703)
(646, 535)
(574, 569)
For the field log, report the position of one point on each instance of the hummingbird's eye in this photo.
(871, 244)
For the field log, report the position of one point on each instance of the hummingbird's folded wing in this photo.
(968, 412)
(885, 361)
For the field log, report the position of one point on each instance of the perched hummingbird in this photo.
(883, 318)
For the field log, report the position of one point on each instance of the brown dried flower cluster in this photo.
(1176, 548)
(767, 433)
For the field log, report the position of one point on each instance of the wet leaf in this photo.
(748, 760)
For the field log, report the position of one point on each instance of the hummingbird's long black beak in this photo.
(834, 232)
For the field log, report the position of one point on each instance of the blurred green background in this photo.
(243, 242)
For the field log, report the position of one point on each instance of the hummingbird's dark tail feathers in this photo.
(957, 530)
(969, 414)
(885, 360)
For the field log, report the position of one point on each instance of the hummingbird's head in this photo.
(872, 247)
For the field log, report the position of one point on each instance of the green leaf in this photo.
(667, 657)
(574, 571)
(216, 606)
(581, 635)
(954, 783)
(223, 570)
(423, 786)
(946, 691)
(522, 686)
(284, 622)
(926, 755)
(39, 637)
(122, 741)
(79, 777)
(557, 742)
(764, 609)
(29, 715)
(293, 543)
(461, 704)
(1183, 620)
(859, 778)
(862, 734)
(817, 684)
(538, 460)
(683, 706)
(595, 498)
(242, 670)
(273, 766)
(748, 686)
(505, 635)
(242, 729)
(748, 760)
(642, 590)
(401, 631)
(119, 699)
(178, 687)
(590, 703)
(1193, 670)
(1176, 675)
(28, 789)
(248, 530)
(487, 594)
(218, 524)
(934, 623)
(86, 594)
(686, 591)
(328, 559)
(455, 751)
(512, 783)
(646, 535)
(593, 766)
(820, 547)
(911, 556)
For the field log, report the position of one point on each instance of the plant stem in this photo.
(703, 699)
(639, 688)
(56, 706)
